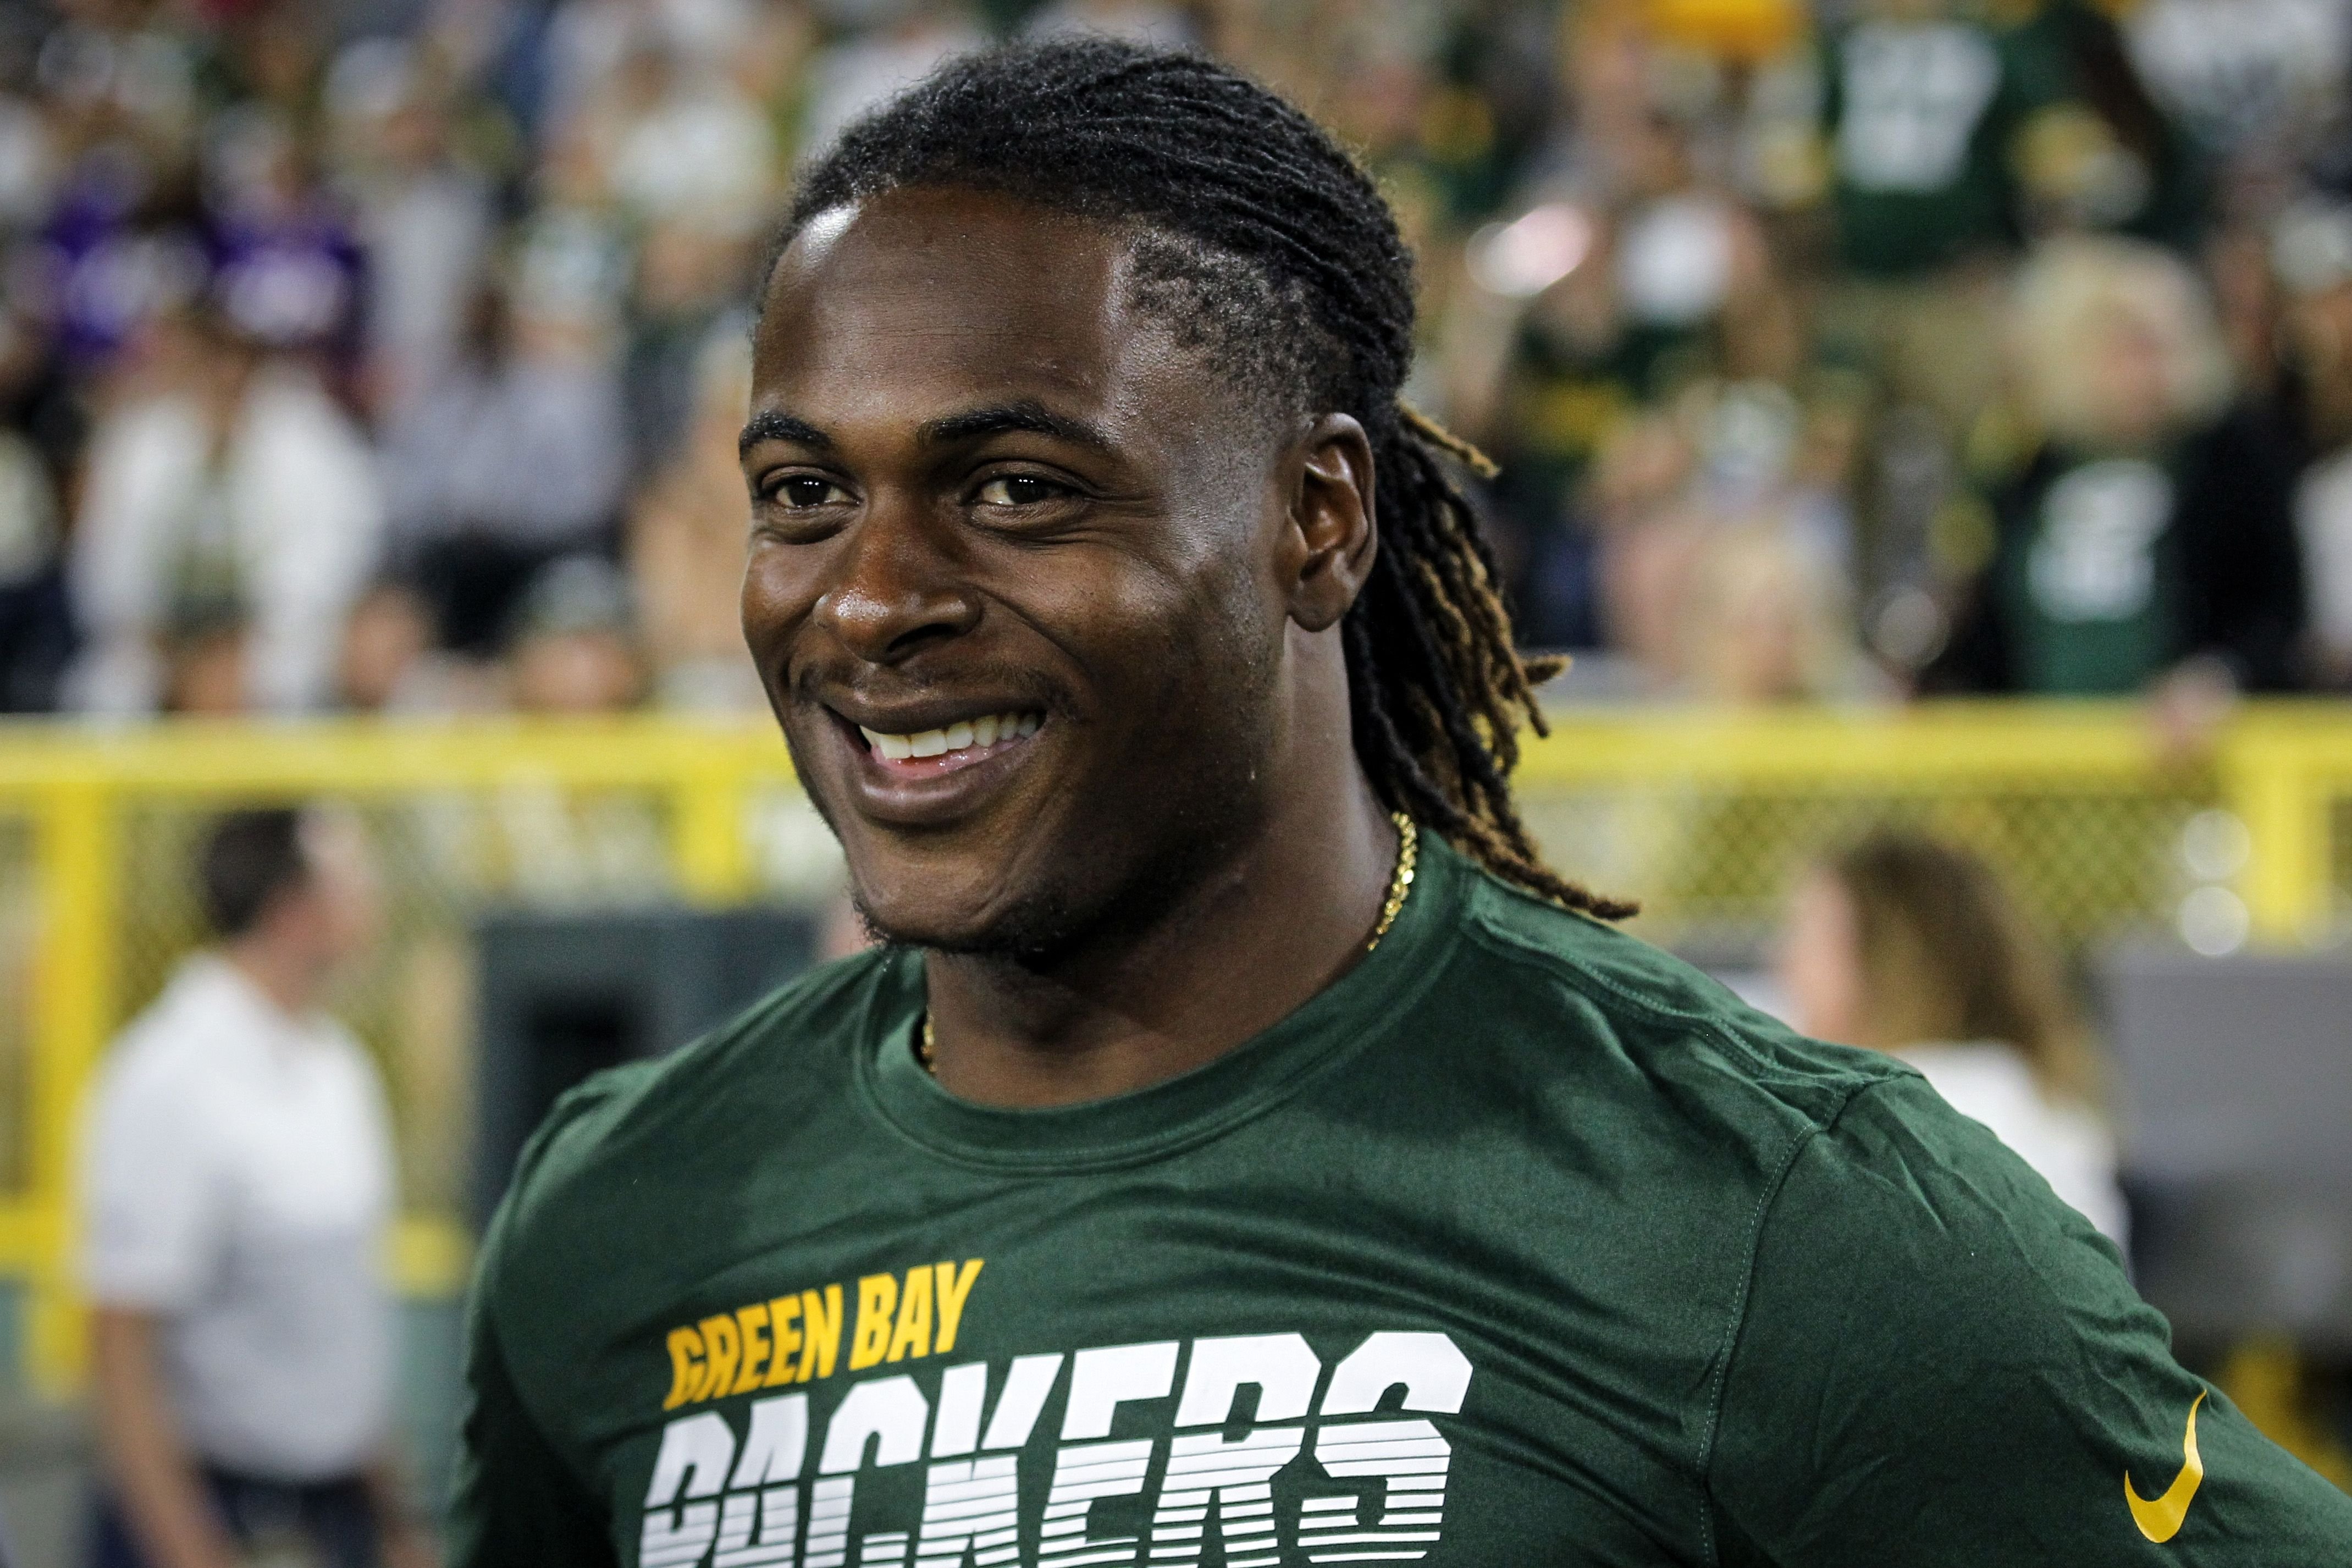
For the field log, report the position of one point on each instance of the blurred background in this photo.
(1921, 418)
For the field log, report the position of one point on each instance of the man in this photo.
(238, 1187)
(1244, 1150)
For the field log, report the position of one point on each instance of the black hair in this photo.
(1266, 246)
(249, 858)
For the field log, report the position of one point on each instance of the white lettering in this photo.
(1435, 1371)
(695, 1453)
(828, 1525)
(764, 1541)
(972, 1509)
(1237, 1477)
(1283, 1367)
(1026, 1386)
(778, 1443)
(1408, 1458)
(1084, 1473)
(1103, 1380)
(890, 1411)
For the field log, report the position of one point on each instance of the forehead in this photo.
(922, 298)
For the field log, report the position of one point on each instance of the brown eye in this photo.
(803, 490)
(1017, 490)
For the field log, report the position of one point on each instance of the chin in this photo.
(1030, 928)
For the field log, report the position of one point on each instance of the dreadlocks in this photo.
(1266, 248)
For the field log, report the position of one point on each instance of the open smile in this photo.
(930, 765)
(949, 747)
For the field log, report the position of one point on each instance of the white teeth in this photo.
(982, 732)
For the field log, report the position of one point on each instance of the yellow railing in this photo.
(2280, 769)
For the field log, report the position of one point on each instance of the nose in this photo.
(897, 587)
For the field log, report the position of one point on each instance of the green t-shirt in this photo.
(1920, 115)
(2091, 579)
(1521, 1244)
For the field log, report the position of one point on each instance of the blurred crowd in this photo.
(388, 355)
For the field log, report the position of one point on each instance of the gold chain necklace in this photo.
(1400, 884)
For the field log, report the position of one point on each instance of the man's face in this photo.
(988, 493)
(336, 910)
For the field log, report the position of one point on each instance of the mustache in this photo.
(810, 685)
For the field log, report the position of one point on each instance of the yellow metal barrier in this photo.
(1703, 816)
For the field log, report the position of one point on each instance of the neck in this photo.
(286, 979)
(1243, 947)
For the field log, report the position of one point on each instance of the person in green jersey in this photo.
(1243, 1150)
(2147, 543)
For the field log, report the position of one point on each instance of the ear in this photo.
(1331, 538)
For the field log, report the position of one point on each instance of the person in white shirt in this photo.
(240, 495)
(1913, 947)
(237, 1187)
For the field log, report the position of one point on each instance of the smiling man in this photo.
(1243, 1150)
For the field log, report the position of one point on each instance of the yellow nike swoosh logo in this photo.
(2160, 1521)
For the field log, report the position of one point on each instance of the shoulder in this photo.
(359, 1077)
(650, 1136)
(1903, 1212)
(1584, 1000)
(176, 1046)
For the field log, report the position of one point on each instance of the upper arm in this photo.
(1941, 1364)
(151, 1195)
(514, 1498)
(518, 1497)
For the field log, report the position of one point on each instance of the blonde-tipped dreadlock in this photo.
(1258, 239)
(1437, 633)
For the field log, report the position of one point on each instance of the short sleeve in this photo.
(515, 1497)
(153, 1211)
(1940, 1364)
(514, 1500)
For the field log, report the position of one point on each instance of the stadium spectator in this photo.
(1922, 104)
(907, 41)
(689, 279)
(238, 1184)
(239, 494)
(1678, 286)
(686, 547)
(286, 266)
(424, 214)
(1905, 944)
(36, 616)
(2256, 84)
(680, 140)
(2144, 543)
(512, 458)
(389, 665)
(574, 646)
(2313, 252)
(1693, 196)
(1724, 555)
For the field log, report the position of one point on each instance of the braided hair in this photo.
(1264, 246)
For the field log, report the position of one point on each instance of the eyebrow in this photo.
(1023, 414)
(774, 426)
(972, 425)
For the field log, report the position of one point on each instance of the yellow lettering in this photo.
(913, 1334)
(877, 1298)
(787, 1339)
(823, 1341)
(685, 1367)
(751, 1322)
(953, 1289)
(722, 1346)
